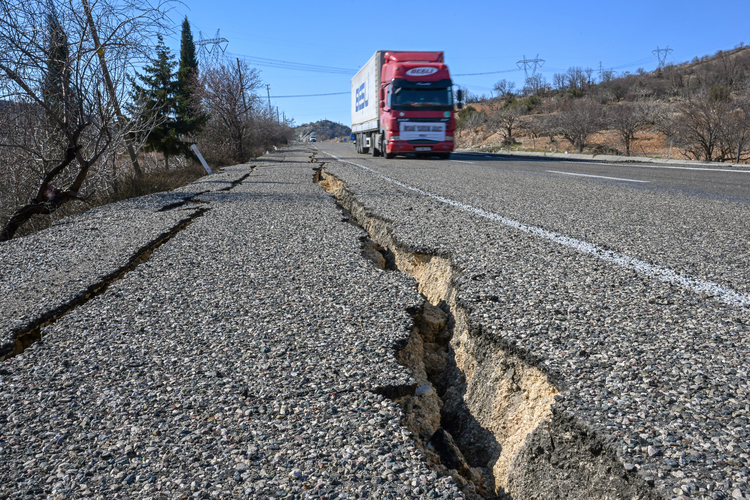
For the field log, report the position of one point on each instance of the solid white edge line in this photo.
(674, 168)
(723, 294)
(596, 176)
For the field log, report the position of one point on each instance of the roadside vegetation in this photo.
(698, 110)
(95, 108)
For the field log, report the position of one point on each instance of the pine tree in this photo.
(157, 95)
(190, 117)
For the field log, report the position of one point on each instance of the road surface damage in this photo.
(483, 411)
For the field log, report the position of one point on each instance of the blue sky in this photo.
(476, 36)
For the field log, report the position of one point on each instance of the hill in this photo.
(324, 130)
(698, 110)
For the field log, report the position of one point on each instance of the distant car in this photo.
(312, 138)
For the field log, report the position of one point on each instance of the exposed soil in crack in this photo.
(32, 332)
(481, 411)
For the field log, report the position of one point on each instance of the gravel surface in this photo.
(240, 361)
(45, 273)
(661, 373)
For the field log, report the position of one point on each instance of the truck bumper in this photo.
(403, 147)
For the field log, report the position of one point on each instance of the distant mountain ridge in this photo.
(324, 130)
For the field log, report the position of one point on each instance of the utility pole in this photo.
(662, 59)
(242, 87)
(111, 89)
(268, 88)
(533, 63)
(277, 115)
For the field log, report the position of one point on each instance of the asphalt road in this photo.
(230, 340)
(692, 220)
(631, 296)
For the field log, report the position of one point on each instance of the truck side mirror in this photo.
(460, 96)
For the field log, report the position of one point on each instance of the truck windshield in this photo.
(403, 96)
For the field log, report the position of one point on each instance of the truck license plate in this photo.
(423, 148)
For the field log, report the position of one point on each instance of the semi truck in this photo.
(402, 103)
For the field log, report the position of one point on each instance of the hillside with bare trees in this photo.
(698, 110)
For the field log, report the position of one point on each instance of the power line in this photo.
(490, 72)
(309, 95)
(277, 63)
(635, 63)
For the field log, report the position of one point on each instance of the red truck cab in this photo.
(416, 105)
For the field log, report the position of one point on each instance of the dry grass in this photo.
(153, 181)
(646, 144)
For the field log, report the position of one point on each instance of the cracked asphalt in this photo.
(243, 358)
(659, 370)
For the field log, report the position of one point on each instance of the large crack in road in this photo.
(481, 410)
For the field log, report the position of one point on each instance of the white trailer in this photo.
(365, 101)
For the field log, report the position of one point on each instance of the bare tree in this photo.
(534, 125)
(504, 88)
(699, 127)
(576, 79)
(589, 80)
(580, 119)
(503, 116)
(59, 120)
(734, 136)
(536, 84)
(627, 119)
(560, 82)
(240, 126)
(230, 99)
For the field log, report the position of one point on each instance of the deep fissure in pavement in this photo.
(481, 410)
(32, 332)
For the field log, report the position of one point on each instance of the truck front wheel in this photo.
(377, 146)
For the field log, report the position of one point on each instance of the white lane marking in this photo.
(597, 176)
(722, 293)
(686, 168)
(460, 161)
(625, 164)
